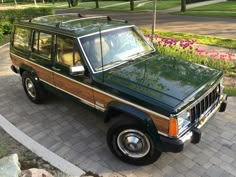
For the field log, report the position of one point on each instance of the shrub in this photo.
(24, 14)
(8, 17)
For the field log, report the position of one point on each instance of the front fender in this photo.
(137, 114)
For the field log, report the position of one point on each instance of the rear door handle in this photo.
(56, 69)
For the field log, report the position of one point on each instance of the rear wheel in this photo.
(33, 90)
(131, 143)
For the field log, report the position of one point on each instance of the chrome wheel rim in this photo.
(133, 143)
(30, 87)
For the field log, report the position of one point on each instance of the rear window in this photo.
(21, 38)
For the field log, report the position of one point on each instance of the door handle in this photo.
(56, 69)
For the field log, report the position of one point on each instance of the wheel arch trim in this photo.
(141, 116)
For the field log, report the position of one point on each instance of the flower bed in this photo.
(188, 49)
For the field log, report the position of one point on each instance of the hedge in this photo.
(9, 17)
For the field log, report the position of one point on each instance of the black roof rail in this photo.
(117, 20)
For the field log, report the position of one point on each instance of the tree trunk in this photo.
(35, 3)
(15, 2)
(69, 3)
(183, 5)
(2, 2)
(131, 4)
(97, 4)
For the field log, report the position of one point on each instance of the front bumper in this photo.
(194, 134)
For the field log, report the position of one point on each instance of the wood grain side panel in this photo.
(102, 99)
(16, 60)
(74, 88)
(161, 124)
(42, 73)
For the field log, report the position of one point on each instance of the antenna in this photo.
(100, 35)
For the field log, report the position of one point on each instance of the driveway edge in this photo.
(40, 150)
(4, 45)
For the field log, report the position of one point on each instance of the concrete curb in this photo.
(4, 45)
(40, 150)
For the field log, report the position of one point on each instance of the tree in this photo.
(97, 4)
(35, 3)
(183, 5)
(72, 3)
(2, 1)
(15, 2)
(131, 4)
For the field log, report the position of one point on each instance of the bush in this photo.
(9, 17)
(24, 14)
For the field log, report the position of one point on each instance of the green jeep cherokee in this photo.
(154, 103)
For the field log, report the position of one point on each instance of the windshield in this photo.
(114, 47)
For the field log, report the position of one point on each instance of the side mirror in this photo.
(77, 70)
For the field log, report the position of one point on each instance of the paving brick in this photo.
(214, 171)
(62, 150)
(226, 158)
(197, 169)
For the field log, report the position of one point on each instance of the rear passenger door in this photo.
(67, 54)
(41, 55)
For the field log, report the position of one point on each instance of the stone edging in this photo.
(40, 150)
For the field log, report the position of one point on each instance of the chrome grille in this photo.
(204, 104)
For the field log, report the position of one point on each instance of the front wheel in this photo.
(130, 142)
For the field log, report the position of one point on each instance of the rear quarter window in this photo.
(21, 39)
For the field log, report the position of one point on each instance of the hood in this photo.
(164, 79)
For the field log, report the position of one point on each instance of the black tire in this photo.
(37, 93)
(120, 127)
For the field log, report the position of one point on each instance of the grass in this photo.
(223, 9)
(201, 39)
(121, 5)
(144, 6)
(230, 91)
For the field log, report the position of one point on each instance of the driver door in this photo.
(67, 55)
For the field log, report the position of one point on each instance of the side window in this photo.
(66, 52)
(21, 38)
(42, 44)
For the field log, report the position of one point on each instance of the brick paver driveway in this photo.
(78, 135)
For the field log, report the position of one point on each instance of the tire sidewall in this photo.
(37, 98)
(112, 135)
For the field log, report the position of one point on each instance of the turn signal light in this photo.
(173, 127)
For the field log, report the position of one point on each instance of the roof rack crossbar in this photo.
(117, 20)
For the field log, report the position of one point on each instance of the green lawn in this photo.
(230, 91)
(223, 9)
(119, 5)
(147, 5)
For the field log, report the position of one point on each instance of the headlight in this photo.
(183, 120)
